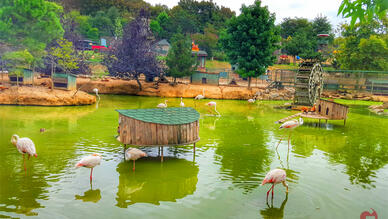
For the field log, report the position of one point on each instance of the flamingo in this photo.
(25, 146)
(162, 105)
(212, 103)
(95, 90)
(90, 161)
(274, 177)
(290, 125)
(134, 154)
(182, 104)
(199, 96)
(251, 100)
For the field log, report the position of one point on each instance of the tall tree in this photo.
(250, 40)
(179, 59)
(30, 23)
(132, 56)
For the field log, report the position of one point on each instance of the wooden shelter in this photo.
(325, 110)
(26, 78)
(159, 127)
(65, 81)
(205, 78)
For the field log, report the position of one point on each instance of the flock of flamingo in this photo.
(276, 176)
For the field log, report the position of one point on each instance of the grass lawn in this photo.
(284, 66)
(212, 64)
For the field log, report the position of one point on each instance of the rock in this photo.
(266, 91)
(274, 95)
(348, 96)
(385, 105)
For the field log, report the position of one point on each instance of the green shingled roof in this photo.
(167, 116)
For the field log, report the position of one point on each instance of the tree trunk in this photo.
(174, 80)
(138, 82)
(294, 60)
(249, 82)
(52, 74)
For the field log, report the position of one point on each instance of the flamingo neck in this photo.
(215, 109)
(165, 102)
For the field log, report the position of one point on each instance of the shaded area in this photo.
(274, 213)
(150, 183)
(90, 196)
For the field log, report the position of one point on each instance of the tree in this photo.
(363, 10)
(31, 24)
(63, 55)
(132, 56)
(207, 41)
(179, 59)
(291, 26)
(350, 53)
(17, 61)
(250, 40)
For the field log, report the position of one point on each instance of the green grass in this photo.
(283, 66)
(357, 102)
(217, 64)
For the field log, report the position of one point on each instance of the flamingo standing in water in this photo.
(162, 105)
(274, 177)
(212, 103)
(134, 154)
(25, 146)
(199, 96)
(182, 104)
(95, 90)
(90, 161)
(290, 125)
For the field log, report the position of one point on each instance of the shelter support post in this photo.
(161, 158)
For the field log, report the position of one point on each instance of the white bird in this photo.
(251, 100)
(199, 96)
(274, 177)
(134, 154)
(212, 103)
(95, 90)
(90, 161)
(162, 105)
(25, 146)
(182, 104)
(290, 125)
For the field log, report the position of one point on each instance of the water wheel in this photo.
(308, 83)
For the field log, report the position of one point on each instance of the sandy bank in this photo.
(117, 86)
(42, 96)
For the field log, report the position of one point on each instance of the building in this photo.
(161, 47)
(205, 78)
(65, 81)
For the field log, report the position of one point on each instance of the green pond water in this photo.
(334, 171)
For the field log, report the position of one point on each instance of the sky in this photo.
(283, 8)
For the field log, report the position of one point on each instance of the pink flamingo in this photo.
(134, 154)
(290, 125)
(90, 161)
(212, 103)
(24, 146)
(274, 177)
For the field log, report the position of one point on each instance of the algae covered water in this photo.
(334, 171)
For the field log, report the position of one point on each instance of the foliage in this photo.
(207, 41)
(31, 24)
(363, 10)
(83, 25)
(250, 40)
(300, 36)
(179, 59)
(362, 46)
(21, 59)
(131, 56)
(105, 21)
(63, 54)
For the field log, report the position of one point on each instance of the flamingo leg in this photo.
(279, 142)
(289, 136)
(24, 164)
(272, 190)
(269, 191)
(91, 174)
(133, 169)
(28, 157)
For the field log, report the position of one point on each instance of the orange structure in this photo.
(194, 47)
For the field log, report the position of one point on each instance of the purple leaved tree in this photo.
(133, 56)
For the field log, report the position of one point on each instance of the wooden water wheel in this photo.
(308, 83)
